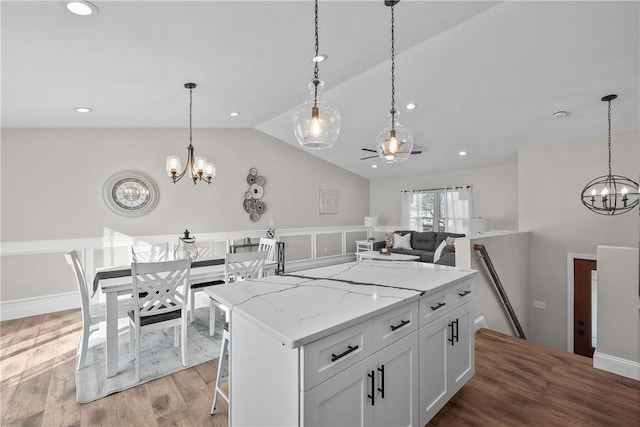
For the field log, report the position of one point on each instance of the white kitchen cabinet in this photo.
(446, 359)
(381, 390)
(314, 348)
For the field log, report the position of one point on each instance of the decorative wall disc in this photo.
(251, 203)
(256, 190)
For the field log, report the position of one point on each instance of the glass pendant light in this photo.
(395, 143)
(610, 194)
(316, 124)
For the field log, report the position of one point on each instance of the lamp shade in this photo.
(479, 225)
(370, 221)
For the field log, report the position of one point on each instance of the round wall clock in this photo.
(130, 193)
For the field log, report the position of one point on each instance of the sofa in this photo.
(424, 245)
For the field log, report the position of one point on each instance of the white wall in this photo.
(618, 311)
(495, 193)
(551, 177)
(52, 179)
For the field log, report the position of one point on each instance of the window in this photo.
(439, 209)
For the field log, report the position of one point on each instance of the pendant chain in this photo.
(609, 114)
(393, 71)
(315, 68)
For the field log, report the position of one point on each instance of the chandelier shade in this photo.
(198, 168)
(610, 194)
(395, 143)
(316, 124)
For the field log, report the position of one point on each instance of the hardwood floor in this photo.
(517, 383)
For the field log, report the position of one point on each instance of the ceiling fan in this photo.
(376, 153)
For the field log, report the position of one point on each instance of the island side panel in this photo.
(263, 377)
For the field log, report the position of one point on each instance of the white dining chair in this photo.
(92, 314)
(269, 247)
(238, 267)
(205, 250)
(160, 292)
(149, 252)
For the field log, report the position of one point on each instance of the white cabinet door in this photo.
(433, 367)
(461, 354)
(397, 384)
(342, 400)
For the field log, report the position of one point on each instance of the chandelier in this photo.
(199, 169)
(395, 142)
(610, 194)
(316, 124)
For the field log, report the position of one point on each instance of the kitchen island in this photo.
(365, 343)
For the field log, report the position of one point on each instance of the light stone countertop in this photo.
(300, 307)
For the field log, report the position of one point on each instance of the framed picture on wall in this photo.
(328, 202)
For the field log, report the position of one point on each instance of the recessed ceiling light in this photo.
(82, 8)
(319, 58)
(462, 153)
(374, 166)
(83, 109)
(561, 114)
(411, 106)
(234, 114)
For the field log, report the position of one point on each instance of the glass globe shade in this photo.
(316, 124)
(394, 144)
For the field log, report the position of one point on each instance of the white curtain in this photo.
(407, 199)
(458, 209)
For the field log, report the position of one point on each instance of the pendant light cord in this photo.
(609, 119)
(393, 71)
(190, 109)
(316, 79)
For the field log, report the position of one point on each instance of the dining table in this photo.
(116, 281)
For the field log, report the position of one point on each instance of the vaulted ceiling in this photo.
(486, 76)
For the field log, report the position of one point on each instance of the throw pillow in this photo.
(438, 253)
(402, 242)
(388, 239)
(450, 241)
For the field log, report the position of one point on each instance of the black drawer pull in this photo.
(372, 396)
(440, 305)
(400, 325)
(461, 294)
(349, 349)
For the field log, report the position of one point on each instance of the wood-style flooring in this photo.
(516, 384)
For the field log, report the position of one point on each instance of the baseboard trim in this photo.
(26, 307)
(616, 365)
(479, 323)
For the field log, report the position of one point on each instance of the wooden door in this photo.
(582, 332)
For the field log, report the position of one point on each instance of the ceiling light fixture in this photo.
(610, 194)
(561, 114)
(462, 153)
(320, 58)
(394, 143)
(410, 106)
(198, 168)
(82, 8)
(83, 109)
(234, 114)
(316, 124)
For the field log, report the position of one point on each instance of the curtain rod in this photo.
(459, 187)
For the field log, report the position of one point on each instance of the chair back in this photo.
(268, 246)
(243, 266)
(74, 261)
(160, 287)
(150, 252)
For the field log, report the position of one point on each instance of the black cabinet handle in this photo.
(440, 305)
(457, 330)
(454, 335)
(399, 325)
(461, 294)
(372, 396)
(381, 389)
(349, 349)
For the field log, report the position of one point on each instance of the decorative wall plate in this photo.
(251, 203)
(130, 193)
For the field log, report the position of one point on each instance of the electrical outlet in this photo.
(539, 304)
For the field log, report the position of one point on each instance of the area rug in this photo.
(158, 357)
